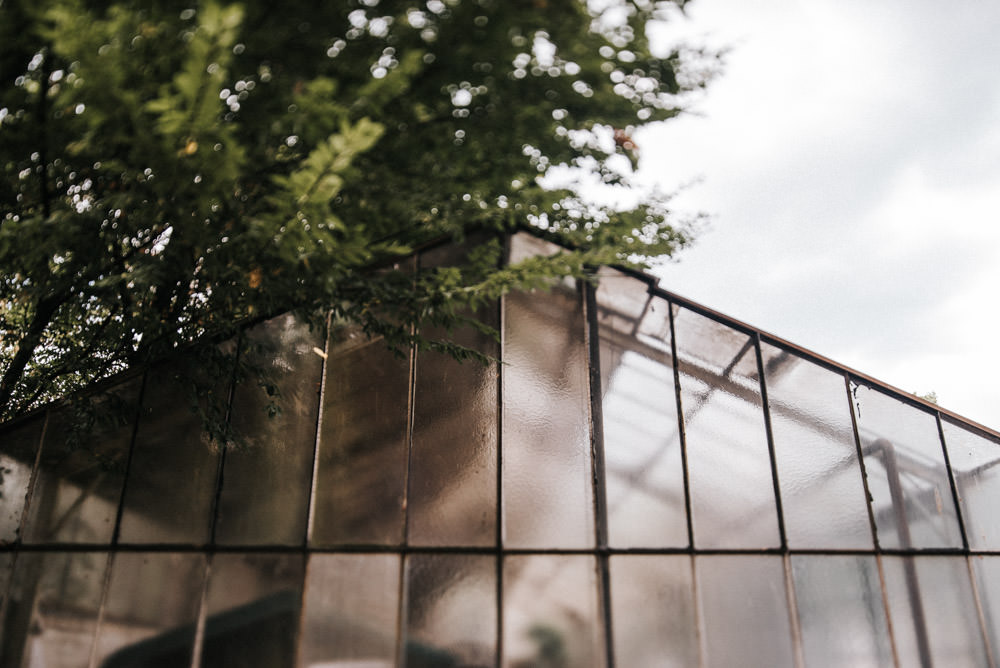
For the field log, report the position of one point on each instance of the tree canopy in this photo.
(172, 169)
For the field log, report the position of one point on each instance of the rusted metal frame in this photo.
(682, 434)
(803, 352)
(313, 479)
(498, 547)
(596, 428)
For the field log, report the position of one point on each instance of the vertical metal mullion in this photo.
(951, 482)
(681, 433)
(109, 558)
(310, 498)
(120, 511)
(770, 443)
(499, 515)
(888, 613)
(128, 459)
(793, 612)
(219, 472)
(199, 629)
(592, 337)
(980, 613)
(401, 610)
(861, 465)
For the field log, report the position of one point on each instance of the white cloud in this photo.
(851, 156)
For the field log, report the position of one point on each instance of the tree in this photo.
(172, 170)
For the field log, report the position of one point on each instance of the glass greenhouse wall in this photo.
(641, 482)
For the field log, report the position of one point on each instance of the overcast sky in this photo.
(850, 158)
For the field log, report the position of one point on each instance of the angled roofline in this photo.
(653, 285)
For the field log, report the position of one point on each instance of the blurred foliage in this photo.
(172, 169)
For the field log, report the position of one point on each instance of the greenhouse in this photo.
(637, 481)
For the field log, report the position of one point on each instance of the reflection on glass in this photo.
(151, 609)
(551, 614)
(173, 470)
(266, 477)
(547, 495)
(81, 473)
(743, 611)
(653, 611)
(732, 488)
(361, 477)
(974, 464)
(452, 487)
(450, 610)
(547, 471)
(907, 478)
(252, 610)
(841, 612)
(52, 614)
(816, 455)
(18, 447)
(642, 453)
(351, 611)
(933, 611)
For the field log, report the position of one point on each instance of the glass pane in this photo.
(642, 453)
(151, 610)
(547, 471)
(816, 454)
(266, 479)
(453, 464)
(351, 611)
(450, 610)
(729, 467)
(80, 476)
(18, 449)
(551, 614)
(173, 470)
(253, 610)
(361, 481)
(933, 611)
(653, 611)
(907, 478)
(52, 614)
(841, 612)
(974, 464)
(744, 611)
(987, 577)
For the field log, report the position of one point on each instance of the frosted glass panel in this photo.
(451, 610)
(151, 609)
(974, 464)
(253, 609)
(173, 471)
(266, 479)
(744, 611)
(52, 614)
(547, 472)
(986, 571)
(18, 449)
(732, 488)
(933, 611)
(80, 479)
(351, 611)
(841, 612)
(653, 611)
(642, 453)
(361, 481)
(816, 454)
(907, 478)
(453, 465)
(551, 612)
